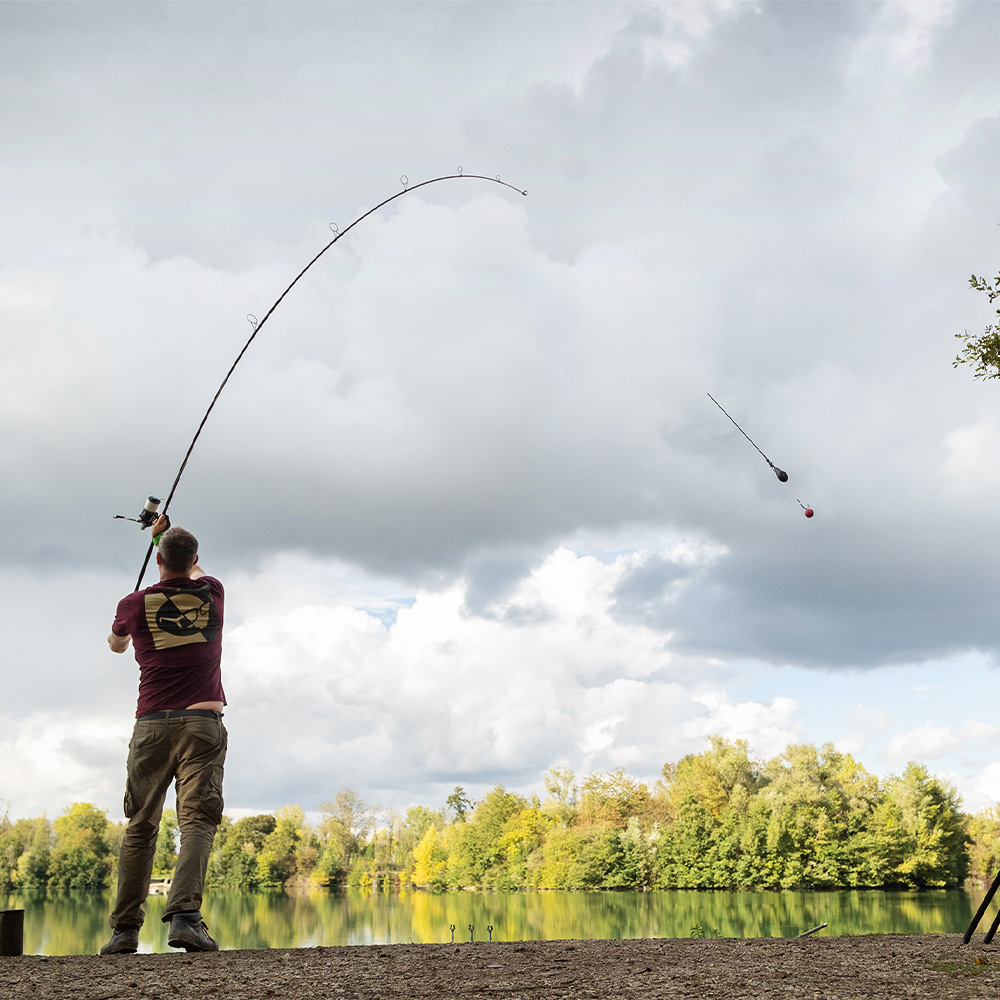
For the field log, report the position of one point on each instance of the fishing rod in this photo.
(144, 519)
(780, 473)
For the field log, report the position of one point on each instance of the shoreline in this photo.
(932, 966)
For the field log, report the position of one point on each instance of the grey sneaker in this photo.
(124, 941)
(188, 931)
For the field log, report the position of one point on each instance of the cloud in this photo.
(55, 758)
(985, 791)
(443, 695)
(767, 728)
(932, 742)
(860, 726)
(466, 484)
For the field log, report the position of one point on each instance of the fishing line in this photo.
(257, 325)
(780, 473)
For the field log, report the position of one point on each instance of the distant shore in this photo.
(889, 967)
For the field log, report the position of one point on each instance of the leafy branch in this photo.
(982, 350)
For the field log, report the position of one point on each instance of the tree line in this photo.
(808, 818)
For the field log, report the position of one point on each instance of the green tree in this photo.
(17, 839)
(33, 864)
(346, 824)
(459, 804)
(936, 842)
(278, 858)
(116, 834)
(984, 853)
(982, 350)
(477, 855)
(705, 801)
(233, 862)
(419, 819)
(81, 856)
(578, 858)
(633, 863)
(819, 802)
(165, 858)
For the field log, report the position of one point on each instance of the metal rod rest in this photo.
(812, 930)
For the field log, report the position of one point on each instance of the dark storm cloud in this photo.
(780, 607)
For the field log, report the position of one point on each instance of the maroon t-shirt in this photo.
(176, 629)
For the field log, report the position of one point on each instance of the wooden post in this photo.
(11, 932)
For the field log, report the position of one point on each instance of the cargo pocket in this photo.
(135, 766)
(199, 788)
(215, 804)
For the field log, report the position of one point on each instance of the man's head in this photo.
(177, 551)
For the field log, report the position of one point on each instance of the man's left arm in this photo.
(119, 643)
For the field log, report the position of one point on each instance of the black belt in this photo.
(181, 713)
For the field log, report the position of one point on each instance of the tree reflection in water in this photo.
(73, 923)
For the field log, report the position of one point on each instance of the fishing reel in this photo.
(147, 516)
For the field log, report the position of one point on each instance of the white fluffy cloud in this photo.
(930, 743)
(54, 758)
(545, 675)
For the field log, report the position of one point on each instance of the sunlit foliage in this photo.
(812, 817)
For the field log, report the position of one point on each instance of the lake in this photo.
(77, 923)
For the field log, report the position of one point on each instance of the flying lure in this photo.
(780, 473)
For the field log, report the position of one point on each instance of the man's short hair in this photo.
(178, 550)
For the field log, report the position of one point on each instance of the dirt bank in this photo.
(883, 966)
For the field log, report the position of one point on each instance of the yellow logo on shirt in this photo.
(179, 617)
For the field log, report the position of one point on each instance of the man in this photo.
(176, 628)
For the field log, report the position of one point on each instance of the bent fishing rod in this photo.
(152, 509)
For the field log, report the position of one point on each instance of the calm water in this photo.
(76, 923)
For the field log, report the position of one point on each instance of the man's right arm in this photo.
(119, 643)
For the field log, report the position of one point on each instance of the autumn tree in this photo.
(609, 800)
(560, 783)
(430, 860)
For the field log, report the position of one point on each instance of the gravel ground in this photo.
(891, 966)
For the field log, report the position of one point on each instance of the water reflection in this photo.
(71, 923)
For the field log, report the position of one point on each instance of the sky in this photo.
(474, 511)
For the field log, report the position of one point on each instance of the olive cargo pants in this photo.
(190, 751)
